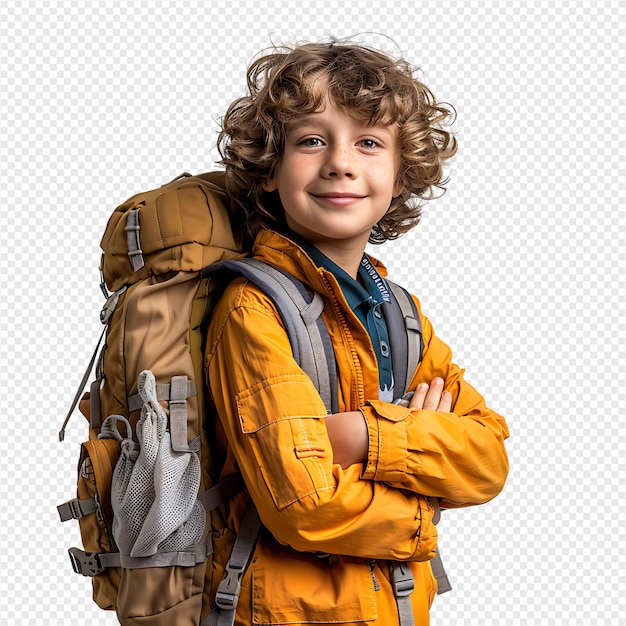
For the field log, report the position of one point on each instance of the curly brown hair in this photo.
(370, 86)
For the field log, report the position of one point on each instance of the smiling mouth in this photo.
(337, 194)
(338, 199)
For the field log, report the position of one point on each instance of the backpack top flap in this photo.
(181, 226)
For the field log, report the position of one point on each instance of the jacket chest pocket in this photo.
(296, 588)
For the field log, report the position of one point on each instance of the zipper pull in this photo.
(372, 564)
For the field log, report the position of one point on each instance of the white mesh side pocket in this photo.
(154, 489)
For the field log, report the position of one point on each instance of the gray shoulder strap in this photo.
(405, 336)
(407, 344)
(312, 349)
(227, 596)
(439, 572)
(403, 585)
(301, 315)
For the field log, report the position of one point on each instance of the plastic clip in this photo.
(75, 509)
(228, 590)
(403, 580)
(74, 506)
(85, 563)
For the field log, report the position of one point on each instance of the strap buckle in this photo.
(85, 563)
(70, 510)
(403, 580)
(74, 506)
(228, 590)
(75, 509)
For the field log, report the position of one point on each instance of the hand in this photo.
(431, 397)
(348, 431)
(348, 437)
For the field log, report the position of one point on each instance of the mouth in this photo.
(337, 198)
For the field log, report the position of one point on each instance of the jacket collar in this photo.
(278, 249)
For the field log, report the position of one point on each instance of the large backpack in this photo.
(163, 557)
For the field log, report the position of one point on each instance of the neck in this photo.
(347, 255)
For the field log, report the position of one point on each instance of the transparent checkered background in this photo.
(520, 266)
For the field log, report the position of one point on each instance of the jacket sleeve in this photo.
(458, 457)
(274, 421)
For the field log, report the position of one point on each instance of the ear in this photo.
(398, 185)
(398, 188)
(270, 183)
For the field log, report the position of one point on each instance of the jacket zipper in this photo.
(372, 564)
(358, 395)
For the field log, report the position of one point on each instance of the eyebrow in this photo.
(309, 118)
(299, 121)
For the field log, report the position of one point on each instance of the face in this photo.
(336, 178)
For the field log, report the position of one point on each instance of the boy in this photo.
(323, 155)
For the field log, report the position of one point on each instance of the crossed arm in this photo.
(348, 431)
(306, 471)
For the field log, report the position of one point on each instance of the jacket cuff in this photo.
(387, 453)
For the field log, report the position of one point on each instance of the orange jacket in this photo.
(370, 513)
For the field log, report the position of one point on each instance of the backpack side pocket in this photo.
(92, 509)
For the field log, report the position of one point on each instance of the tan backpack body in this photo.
(154, 247)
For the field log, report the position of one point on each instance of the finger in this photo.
(433, 397)
(445, 404)
(417, 401)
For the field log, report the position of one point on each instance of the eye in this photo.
(311, 142)
(370, 143)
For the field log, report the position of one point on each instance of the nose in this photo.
(340, 162)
